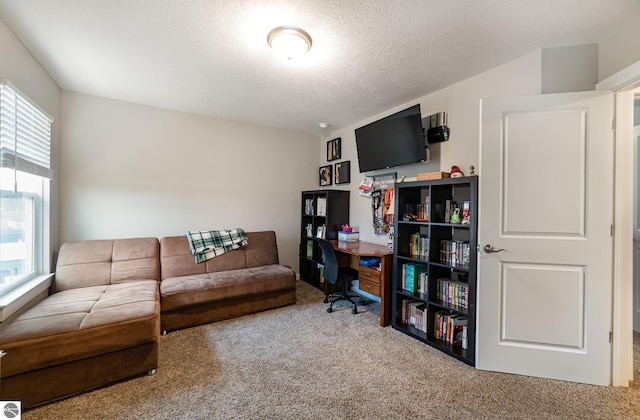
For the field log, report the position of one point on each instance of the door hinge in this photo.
(612, 231)
(613, 123)
(611, 336)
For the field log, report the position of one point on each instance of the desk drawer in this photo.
(369, 287)
(370, 274)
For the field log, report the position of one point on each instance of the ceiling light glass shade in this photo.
(289, 41)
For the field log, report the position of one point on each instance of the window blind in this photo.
(25, 134)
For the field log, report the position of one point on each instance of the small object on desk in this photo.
(346, 228)
(348, 236)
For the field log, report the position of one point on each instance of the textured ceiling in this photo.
(211, 57)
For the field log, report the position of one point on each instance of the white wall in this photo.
(619, 49)
(461, 102)
(569, 69)
(21, 68)
(130, 170)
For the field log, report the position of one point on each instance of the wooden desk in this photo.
(377, 283)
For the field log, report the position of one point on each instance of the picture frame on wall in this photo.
(342, 172)
(334, 149)
(325, 175)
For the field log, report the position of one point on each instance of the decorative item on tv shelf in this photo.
(333, 149)
(325, 175)
(343, 172)
(456, 172)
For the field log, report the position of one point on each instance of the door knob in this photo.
(488, 248)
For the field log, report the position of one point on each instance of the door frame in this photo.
(623, 84)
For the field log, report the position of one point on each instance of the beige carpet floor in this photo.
(300, 362)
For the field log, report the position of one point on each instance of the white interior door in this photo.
(636, 230)
(546, 199)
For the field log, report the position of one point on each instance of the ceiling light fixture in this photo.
(289, 41)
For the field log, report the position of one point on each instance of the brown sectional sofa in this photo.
(239, 282)
(101, 325)
(111, 297)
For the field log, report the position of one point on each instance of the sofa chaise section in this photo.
(101, 325)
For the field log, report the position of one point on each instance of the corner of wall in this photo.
(569, 69)
(619, 49)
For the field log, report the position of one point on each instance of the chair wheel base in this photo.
(329, 310)
(354, 311)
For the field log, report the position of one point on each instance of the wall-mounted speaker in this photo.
(438, 134)
(436, 127)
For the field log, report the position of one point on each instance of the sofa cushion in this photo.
(80, 323)
(185, 291)
(176, 259)
(103, 262)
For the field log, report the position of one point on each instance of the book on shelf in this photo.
(322, 206)
(414, 314)
(447, 211)
(421, 318)
(448, 327)
(411, 276)
(422, 211)
(437, 324)
(455, 252)
(466, 212)
(465, 343)
(413, 309)
(308, 206)
(453, 293)
(451, 328)
(309, 249)
(423, 283)
(457, 330)
(419, 245)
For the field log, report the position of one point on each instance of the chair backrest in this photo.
(330, 271)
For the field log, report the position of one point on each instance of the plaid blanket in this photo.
(206, 244)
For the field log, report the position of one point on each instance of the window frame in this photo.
(37, 190)
(37, 245)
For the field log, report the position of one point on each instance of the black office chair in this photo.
(335, 274)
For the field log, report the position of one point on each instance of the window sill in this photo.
(13, 301)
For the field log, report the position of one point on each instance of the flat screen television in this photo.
(394, 140)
